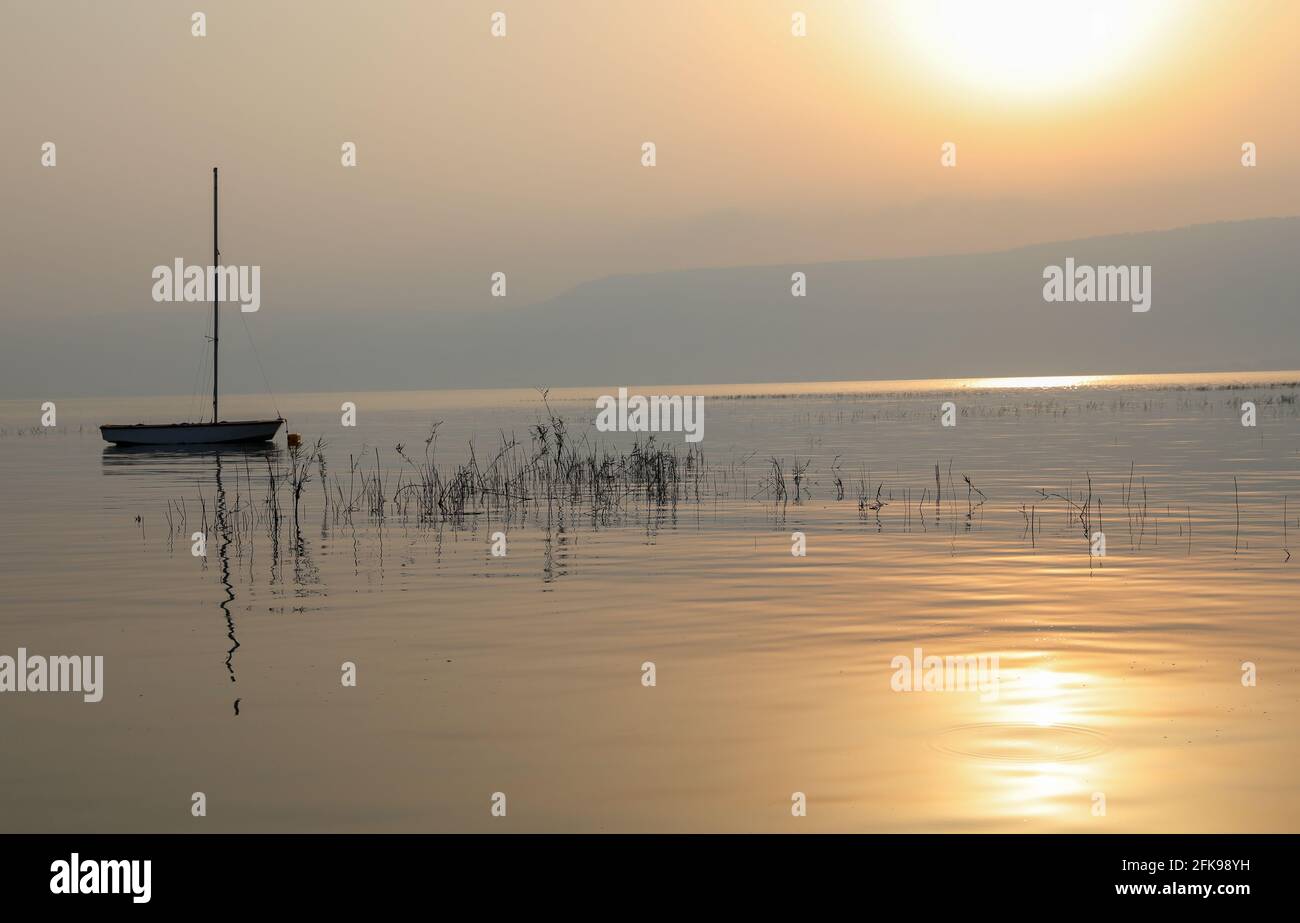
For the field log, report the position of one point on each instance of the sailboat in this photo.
(217, 432)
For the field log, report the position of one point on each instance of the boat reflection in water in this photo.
(202, 461)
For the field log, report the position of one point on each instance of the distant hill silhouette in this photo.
(1226, 297)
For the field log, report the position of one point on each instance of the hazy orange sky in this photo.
(522, 154)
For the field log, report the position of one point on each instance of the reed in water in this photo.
(552, 473)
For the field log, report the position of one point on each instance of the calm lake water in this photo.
(1118, 675)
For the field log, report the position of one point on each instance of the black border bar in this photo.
(246, 871)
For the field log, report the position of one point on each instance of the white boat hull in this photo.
(191, 433)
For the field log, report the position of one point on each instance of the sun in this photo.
(1032, 48)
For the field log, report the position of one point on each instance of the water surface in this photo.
(1119, 675)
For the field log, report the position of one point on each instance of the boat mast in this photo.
(216, 318)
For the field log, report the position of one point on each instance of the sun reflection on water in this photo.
(1041, 381)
